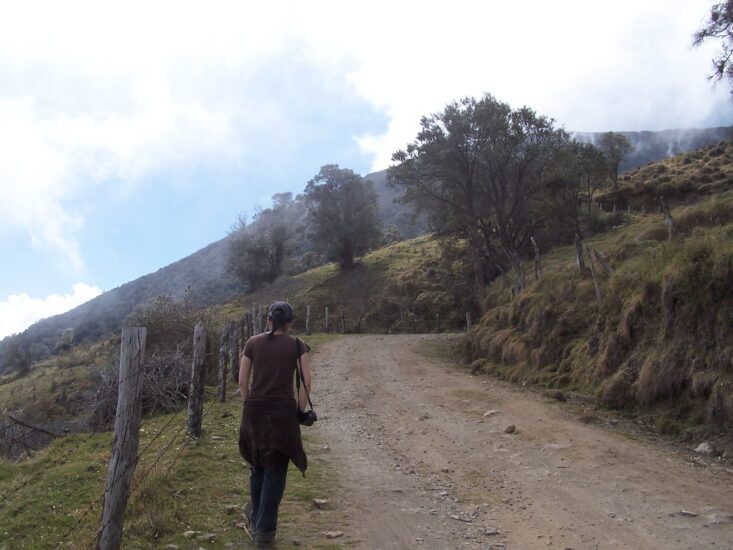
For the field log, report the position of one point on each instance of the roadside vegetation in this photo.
(180, 485)
(658, 342)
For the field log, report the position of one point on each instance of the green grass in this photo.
(416, 276)
(179, 485)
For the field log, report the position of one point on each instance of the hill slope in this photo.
(204, 272)
(660, 340)
(652, 146)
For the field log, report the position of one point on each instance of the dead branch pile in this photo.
(165, 387)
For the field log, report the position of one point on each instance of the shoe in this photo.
(264, 540)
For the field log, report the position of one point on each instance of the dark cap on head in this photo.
(284, 311)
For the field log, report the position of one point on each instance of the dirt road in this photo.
(420, 465)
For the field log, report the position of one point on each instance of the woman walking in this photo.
(269, 433)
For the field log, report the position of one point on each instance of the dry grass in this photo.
(660, 340)
(398, 288)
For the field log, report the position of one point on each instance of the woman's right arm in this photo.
(245, 368)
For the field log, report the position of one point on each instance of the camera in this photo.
(307, 418)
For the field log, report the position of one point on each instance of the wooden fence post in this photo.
(196, 390)
(671, 227)
(437, 323)
(537, 260)
(579, 253)
(326, 319)
(254, 321)
(261, 320)
(250, 327)
(221, 394)
(307, 320)
(468, 322)
(599, 296)
(343, 323)
(124, 448)
(234, 350)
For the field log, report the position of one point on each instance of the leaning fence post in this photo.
(221, 394)
(234, 350)
(596, 286)
(326, 319)
(307, 320)
(124, 448)
(671, 227)
(250, 325)
(468, 322)
(196, 391)
(537, 260)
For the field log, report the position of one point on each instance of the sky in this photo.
(134, 133)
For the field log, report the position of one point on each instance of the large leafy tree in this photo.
(257, 252)
(342, 214)
(615, 148)
(479, 169)
(720, 28)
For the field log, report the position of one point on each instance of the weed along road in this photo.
(422, 459)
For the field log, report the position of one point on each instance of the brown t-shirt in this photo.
(269, 425)
(274, 362)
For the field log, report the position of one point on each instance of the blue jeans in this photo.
(266, 488)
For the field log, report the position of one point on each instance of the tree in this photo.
(342, 214)
(257, 252)
(719, 27)
(615, 148)
(581, 166)
(16, 356)
(479, 170)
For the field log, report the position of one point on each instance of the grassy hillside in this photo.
(660, 341)
(398, 288)
(652, 146)
(685, 178)
(179, 485)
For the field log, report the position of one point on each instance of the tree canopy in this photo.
(719, 27)
(257, 252)
(615, 148)
(480, 169)
(342, 214)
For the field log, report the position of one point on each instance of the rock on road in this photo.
(419, 463)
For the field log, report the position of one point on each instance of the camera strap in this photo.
(299, 379)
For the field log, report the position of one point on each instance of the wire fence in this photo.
(162, 456)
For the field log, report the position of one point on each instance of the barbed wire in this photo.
(163, 451)
(38, 476)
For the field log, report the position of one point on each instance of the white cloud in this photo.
(97, 95)
(19, 311)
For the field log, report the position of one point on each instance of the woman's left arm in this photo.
(245, 368)
(306, 370)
